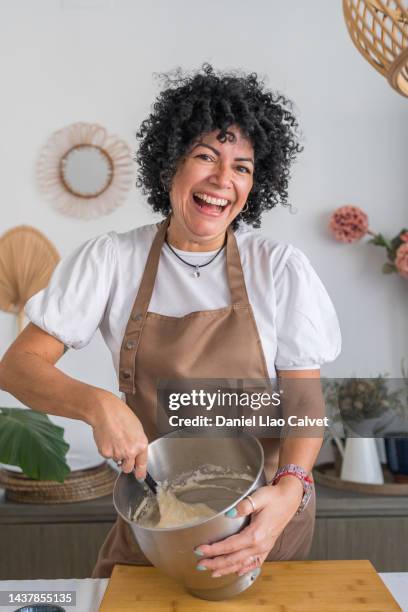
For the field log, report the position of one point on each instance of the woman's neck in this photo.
(180, 240)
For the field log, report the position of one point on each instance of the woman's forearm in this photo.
(27, 371)
(300, 451)
(302, 396)
(43, 387)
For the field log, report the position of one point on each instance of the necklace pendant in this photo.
(196, 273)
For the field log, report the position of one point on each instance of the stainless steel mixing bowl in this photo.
(171, 549)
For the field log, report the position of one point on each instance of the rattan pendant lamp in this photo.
(379, 30)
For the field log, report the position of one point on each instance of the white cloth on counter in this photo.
(397, 584)
(96, 285)
(88, 591)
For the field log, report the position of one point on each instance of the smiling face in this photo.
(209, 189)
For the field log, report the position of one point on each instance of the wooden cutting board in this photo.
(284, 586)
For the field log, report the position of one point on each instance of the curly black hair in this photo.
(192, 105)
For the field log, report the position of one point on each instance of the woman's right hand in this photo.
(119, 434)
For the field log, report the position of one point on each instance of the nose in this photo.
(221, 176)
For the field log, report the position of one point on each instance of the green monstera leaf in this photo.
(31, 441)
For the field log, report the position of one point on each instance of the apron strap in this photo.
(138, 314)
(146, 287)
(236, 281)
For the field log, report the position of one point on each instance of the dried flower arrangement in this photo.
(358, 399)
(350, 224)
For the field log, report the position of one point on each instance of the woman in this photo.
(216, 150)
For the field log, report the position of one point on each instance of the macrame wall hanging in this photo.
(84, 171)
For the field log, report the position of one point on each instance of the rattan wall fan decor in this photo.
(379, 30)
(27, 260)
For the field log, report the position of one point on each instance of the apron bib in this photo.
(208, 344)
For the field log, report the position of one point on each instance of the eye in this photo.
(243, 170)
(205, 156)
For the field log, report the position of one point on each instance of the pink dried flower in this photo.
(404, 237)
(401, 260)
(348, 224)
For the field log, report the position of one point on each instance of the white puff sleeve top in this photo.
(95, 287)
(72, 307)
(308, 332)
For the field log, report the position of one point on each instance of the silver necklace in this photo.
(196, 267)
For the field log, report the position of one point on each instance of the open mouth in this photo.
(210, 204)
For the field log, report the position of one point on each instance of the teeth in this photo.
(210, 200)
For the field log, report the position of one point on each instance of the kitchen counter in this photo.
(89, 592)
(342, 517)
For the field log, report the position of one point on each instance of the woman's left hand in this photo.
(274, 508)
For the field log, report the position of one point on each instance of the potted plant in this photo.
(367, 408)
(29, 440)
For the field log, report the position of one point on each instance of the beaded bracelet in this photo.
(292, 469)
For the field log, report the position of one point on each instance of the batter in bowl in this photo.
(206, 491)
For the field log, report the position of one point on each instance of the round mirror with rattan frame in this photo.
(69, 186)
(105, 177)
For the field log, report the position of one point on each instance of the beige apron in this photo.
(222, 343)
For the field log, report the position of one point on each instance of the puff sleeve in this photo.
(308, 332)
(72, 307)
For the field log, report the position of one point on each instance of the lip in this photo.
(213, 195)
(213, 212)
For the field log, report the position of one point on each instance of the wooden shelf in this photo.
(329, 503)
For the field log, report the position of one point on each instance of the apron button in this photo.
(125, 374)
(130, 344)
(136, 317)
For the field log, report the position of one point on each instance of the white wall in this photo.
(92, 60)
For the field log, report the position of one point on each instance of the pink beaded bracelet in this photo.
(292, 469)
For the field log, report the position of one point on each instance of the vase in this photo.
(361, 462)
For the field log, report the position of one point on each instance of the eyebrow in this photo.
(202, 144)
